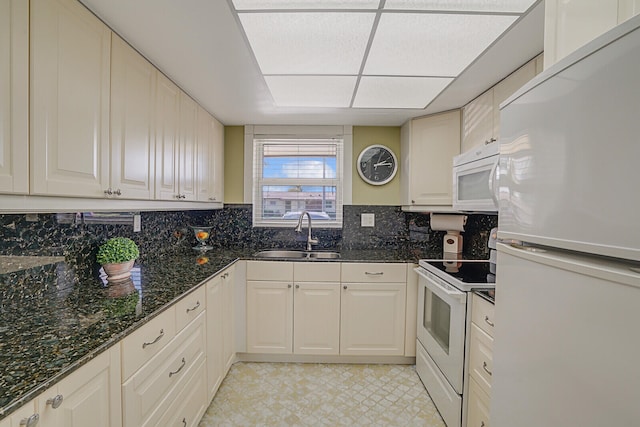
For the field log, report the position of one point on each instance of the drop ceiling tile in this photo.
(398, 92)
(505, 6)
(429, 44)
(307, 42)
(304, 4)
(311, 91)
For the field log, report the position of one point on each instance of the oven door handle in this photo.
(441, 286)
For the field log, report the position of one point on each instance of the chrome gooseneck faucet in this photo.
(298, 229)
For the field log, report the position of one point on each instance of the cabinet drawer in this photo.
(374, 272)
(147, 341)
(483, 314)
(190, 307)
(481, 358)
(270, 270)
(478, 406)
(316, 272)
(149, 391)
(190, 405)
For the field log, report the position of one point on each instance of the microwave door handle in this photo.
(493, 181)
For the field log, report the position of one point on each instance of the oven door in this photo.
(441, 325)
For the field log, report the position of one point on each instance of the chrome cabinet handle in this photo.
(55, 402)
(213, 199)
(484, 366)
(481, 423)
(344, 287)
(297, 286)
(179, 369)
(184, 422)
(289, 285)
(118, 192)
(31, 421)
(195, 307)
(379, 273)
(144, 345)
(488, 322)
(108, 191)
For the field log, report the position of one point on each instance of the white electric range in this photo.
(444, 319)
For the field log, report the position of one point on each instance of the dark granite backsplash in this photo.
(168, 233)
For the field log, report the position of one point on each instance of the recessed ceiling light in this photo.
(308, 43)
(311, 91)
(305, 4)
(429, 44)
(398, 92)
(505, 6)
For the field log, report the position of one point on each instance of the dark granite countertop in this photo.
(54, 318)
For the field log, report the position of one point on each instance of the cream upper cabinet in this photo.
(133, 87)
(477, 121)
(187, 151)
(90, 396)
(569, 24)
(70, 85)
(14, 96)
(481, 117)
(167, 127)
(176, 121)
(209, 158)
(428, 146)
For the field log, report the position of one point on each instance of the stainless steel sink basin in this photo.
(292, 254)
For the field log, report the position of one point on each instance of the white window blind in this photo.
(291, 176)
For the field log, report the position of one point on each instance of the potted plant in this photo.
(116, 256)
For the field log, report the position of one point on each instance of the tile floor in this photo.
(293, 394)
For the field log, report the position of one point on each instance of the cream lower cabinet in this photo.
(14, 96)
(480, 362)
(373, 302)
(26, 416)
(428, 145)
(297, 314)
(88, 396)
(70, 84)
(220, 329)
(149, 396)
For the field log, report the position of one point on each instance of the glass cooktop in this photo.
(467, 272)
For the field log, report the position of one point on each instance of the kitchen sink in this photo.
(293, 254)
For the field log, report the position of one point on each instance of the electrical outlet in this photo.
(367, 220)
(137, 223)
(31, 217)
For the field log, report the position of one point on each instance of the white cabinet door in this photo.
(204, 155)
(569, 24)
(14, 96)
(70, 85)
(477, 123)
(508, 87)
(372, 319)
(627, 9)
(187, 156)
(26, 415)
(133, 86)
(217, 162)
(269, 317)
(316, 318)
(215, 364)
(228, 324)
(167, 119)
(477, 406)
(428, 147)
(90, 396)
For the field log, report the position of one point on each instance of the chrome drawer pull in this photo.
(184, 421)
(144, 345)
(179, 369)
(55, 402)
(368, 273)
(489, 322)
(31, 421)
(484, 366)
(195, 307)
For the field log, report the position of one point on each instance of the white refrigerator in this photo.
(567, 329)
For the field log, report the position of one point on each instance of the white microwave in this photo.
(475, 179)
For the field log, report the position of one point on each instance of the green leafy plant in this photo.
(117, 250)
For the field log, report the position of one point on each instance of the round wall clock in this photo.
(377, 164)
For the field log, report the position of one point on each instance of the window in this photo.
(291, 176)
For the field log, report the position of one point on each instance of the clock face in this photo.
(377, 164)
